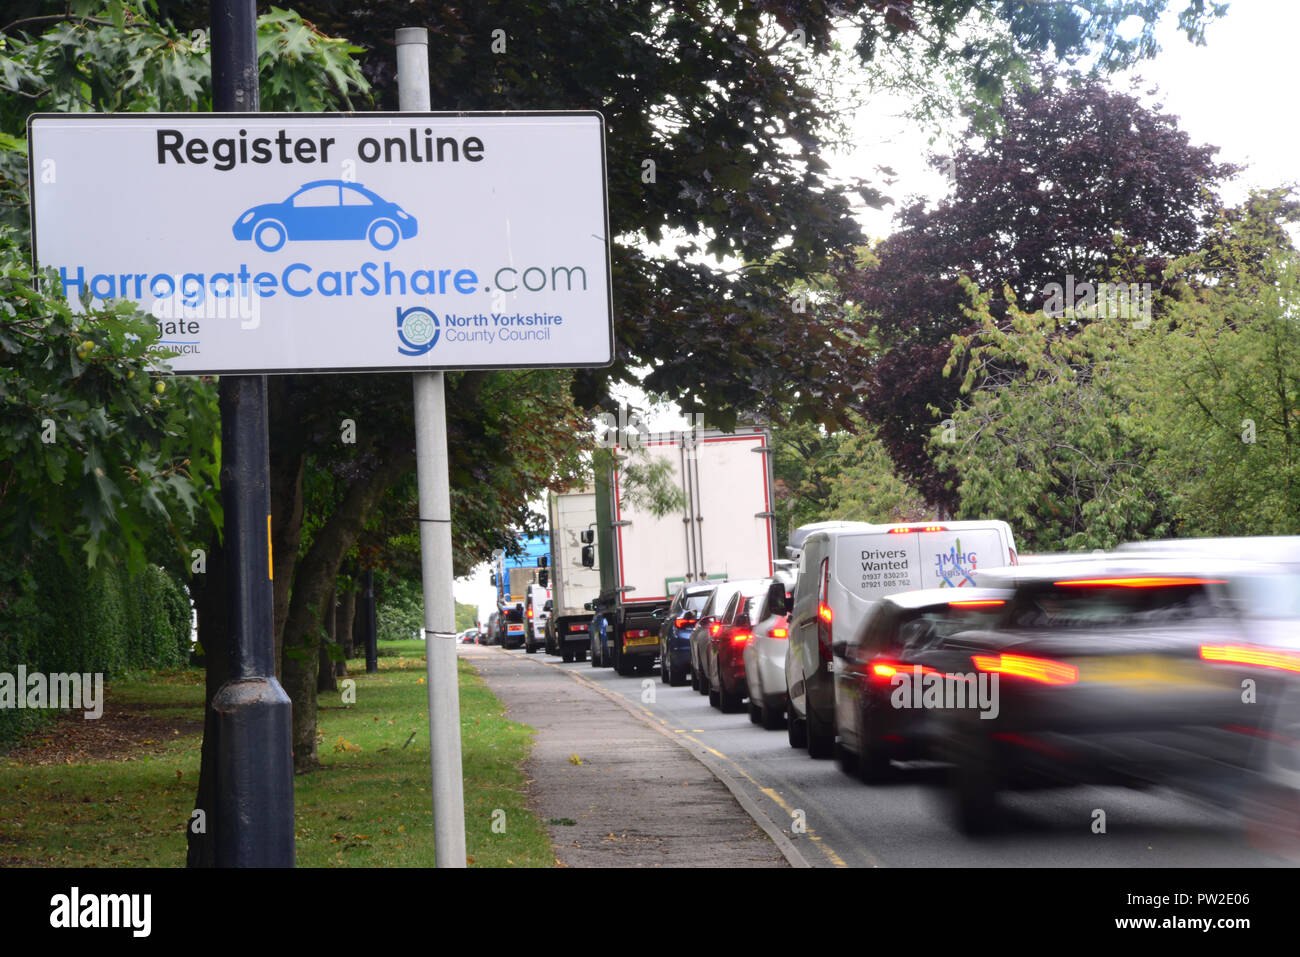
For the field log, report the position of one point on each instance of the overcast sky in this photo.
(1236, 92)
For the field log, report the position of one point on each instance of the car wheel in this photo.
(728, 701)
(972, 784)
(755, 712)
(714, 698)
(567, 656)
(846, 759)
(796, 730)
(530, 648)
(771, 716)
(873, 758)
(269, 235)
(665, 666)
(383, 234)
(821, 739)
(695, 680)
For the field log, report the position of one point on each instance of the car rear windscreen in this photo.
(1108, 606)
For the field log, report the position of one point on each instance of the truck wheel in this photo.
(580, 654)
(821, 739)
(530, 648)
(567, 655)
(623, 663)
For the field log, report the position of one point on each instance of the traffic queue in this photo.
(1172, 664)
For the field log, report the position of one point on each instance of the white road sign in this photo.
(316, 242)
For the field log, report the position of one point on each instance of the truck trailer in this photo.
(724, 528)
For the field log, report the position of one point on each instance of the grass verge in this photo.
(369, 805)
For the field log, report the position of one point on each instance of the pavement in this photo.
(630, 796)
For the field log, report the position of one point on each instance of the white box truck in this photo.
(724, 528)
(573, 585)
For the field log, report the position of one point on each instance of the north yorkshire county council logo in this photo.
(417, 327)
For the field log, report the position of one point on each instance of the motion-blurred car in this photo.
(675, 632)
(764, 656)
(887, 663)
(1119, 670)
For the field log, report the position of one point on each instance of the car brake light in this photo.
(685, 622)
(578, 627)
(1254, 655)
(637, 633)
(918, 528)
(884, 670)
(530, 613)
(714, 629)
(1137, 582)
(780, 633)
(740, 637)
(824, 613)
(824, 631)
(977, 603)
(1023, 666)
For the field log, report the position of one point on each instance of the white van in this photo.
(845, 568)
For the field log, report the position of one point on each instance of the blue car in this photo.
(675, 631)
(327, 209)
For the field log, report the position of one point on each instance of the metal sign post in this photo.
(435, 538)
(253, 819)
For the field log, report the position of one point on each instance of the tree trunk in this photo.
(312, 581)
(325, 675)
(343, 616)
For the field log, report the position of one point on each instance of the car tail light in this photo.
(825, 615)
(577, 627)
(530, 613)
(714, 629)
(637, 633)
(918, 528)
(883, 670)
(779, 632)
(1149, 581)
(685, 622)
(978, 603)
(1024, 666)
(1254, 655)
(740, 637)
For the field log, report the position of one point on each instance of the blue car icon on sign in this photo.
(323, 210)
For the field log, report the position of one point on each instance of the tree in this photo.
(1079, 181)
(1089, 430)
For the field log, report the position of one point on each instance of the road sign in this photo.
(336, 242)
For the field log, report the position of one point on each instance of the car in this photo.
(724, 652)
(764, 656)
(889, 650)
(489, 635)
(514, 626)
(843, 570)
(675, 632)
(709, 618)
(326, 209)
(1123, 669)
